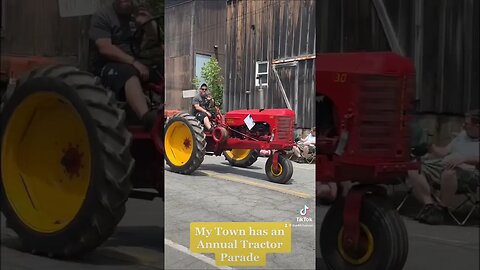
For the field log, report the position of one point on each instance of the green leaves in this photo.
(157, 7)
(212, 73)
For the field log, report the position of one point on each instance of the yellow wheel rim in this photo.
(46, 162)
(178, 143)
(366, 245)
(238, 154)
(280, 170)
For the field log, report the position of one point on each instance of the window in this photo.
(261, 71)
(200, 61)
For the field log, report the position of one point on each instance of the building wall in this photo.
(35, 28)
(190, 27)
(441, 36)
(281, 30)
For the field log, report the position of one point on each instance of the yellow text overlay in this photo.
(240, 243)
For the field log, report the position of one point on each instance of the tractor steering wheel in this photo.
(137, 38)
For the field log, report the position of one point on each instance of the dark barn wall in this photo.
(35, 28)
(282, 29)
(178, 58)
(190, 27)
(441, 36)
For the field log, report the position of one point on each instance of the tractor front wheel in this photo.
(281, 175)
(241, 157)
(65, 162)
(383, 241)
(184, 143)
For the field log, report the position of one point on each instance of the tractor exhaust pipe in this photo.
(261, 98)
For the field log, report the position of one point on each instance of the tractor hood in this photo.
(241, 114)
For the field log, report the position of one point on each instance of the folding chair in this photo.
(471, 195)
(312, 154)
(405, 196)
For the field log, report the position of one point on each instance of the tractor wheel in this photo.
(383, 242)
(241, 157)
(64, 162)
(284, 173)
(184, 143)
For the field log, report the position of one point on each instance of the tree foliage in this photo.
(212, 74)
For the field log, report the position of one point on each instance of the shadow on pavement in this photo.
(226, 168)
(149, 237)
(145, 237)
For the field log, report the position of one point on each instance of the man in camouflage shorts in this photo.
(453, 168)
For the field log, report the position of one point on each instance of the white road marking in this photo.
(245, 181)
(201, 257)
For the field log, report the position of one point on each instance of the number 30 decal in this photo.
(340, 77)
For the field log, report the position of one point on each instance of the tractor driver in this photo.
(200, 103)
(111, 31)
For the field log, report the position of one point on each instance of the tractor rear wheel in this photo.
(184, 143)
(383, 242)
(283, 174)
(64, 162)
(241, 157)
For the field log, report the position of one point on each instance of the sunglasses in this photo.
(203, 89)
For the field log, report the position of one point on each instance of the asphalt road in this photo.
(218, 192)
(136, 244)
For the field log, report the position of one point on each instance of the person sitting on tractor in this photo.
(111, 33)
(201, 103)
(305, 144)
(451, 167)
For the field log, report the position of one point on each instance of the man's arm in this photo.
(112, 52)
(199, 108)
(100, 33)
(472, 160)
(151, 30)
(439, 151)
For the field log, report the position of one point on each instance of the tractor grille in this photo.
(284, 129)
(380, 115)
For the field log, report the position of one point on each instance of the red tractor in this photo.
(238, 135)
(364, 101)
(71, 155)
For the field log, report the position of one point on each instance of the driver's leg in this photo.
(135, 97)
(207, 123)
(123, 80)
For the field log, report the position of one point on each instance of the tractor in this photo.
(238, 135)
(364, 105)
(71, 155)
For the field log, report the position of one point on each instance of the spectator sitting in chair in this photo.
(201, 102)
(305, 145)
(453, 168)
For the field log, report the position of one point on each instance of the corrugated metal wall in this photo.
(190, 27)
(441, 36)
(281, 29)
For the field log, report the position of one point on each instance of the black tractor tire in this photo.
(111, 164)
(285, 174)
(184, 126)
(390, 238)
(244, 162)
